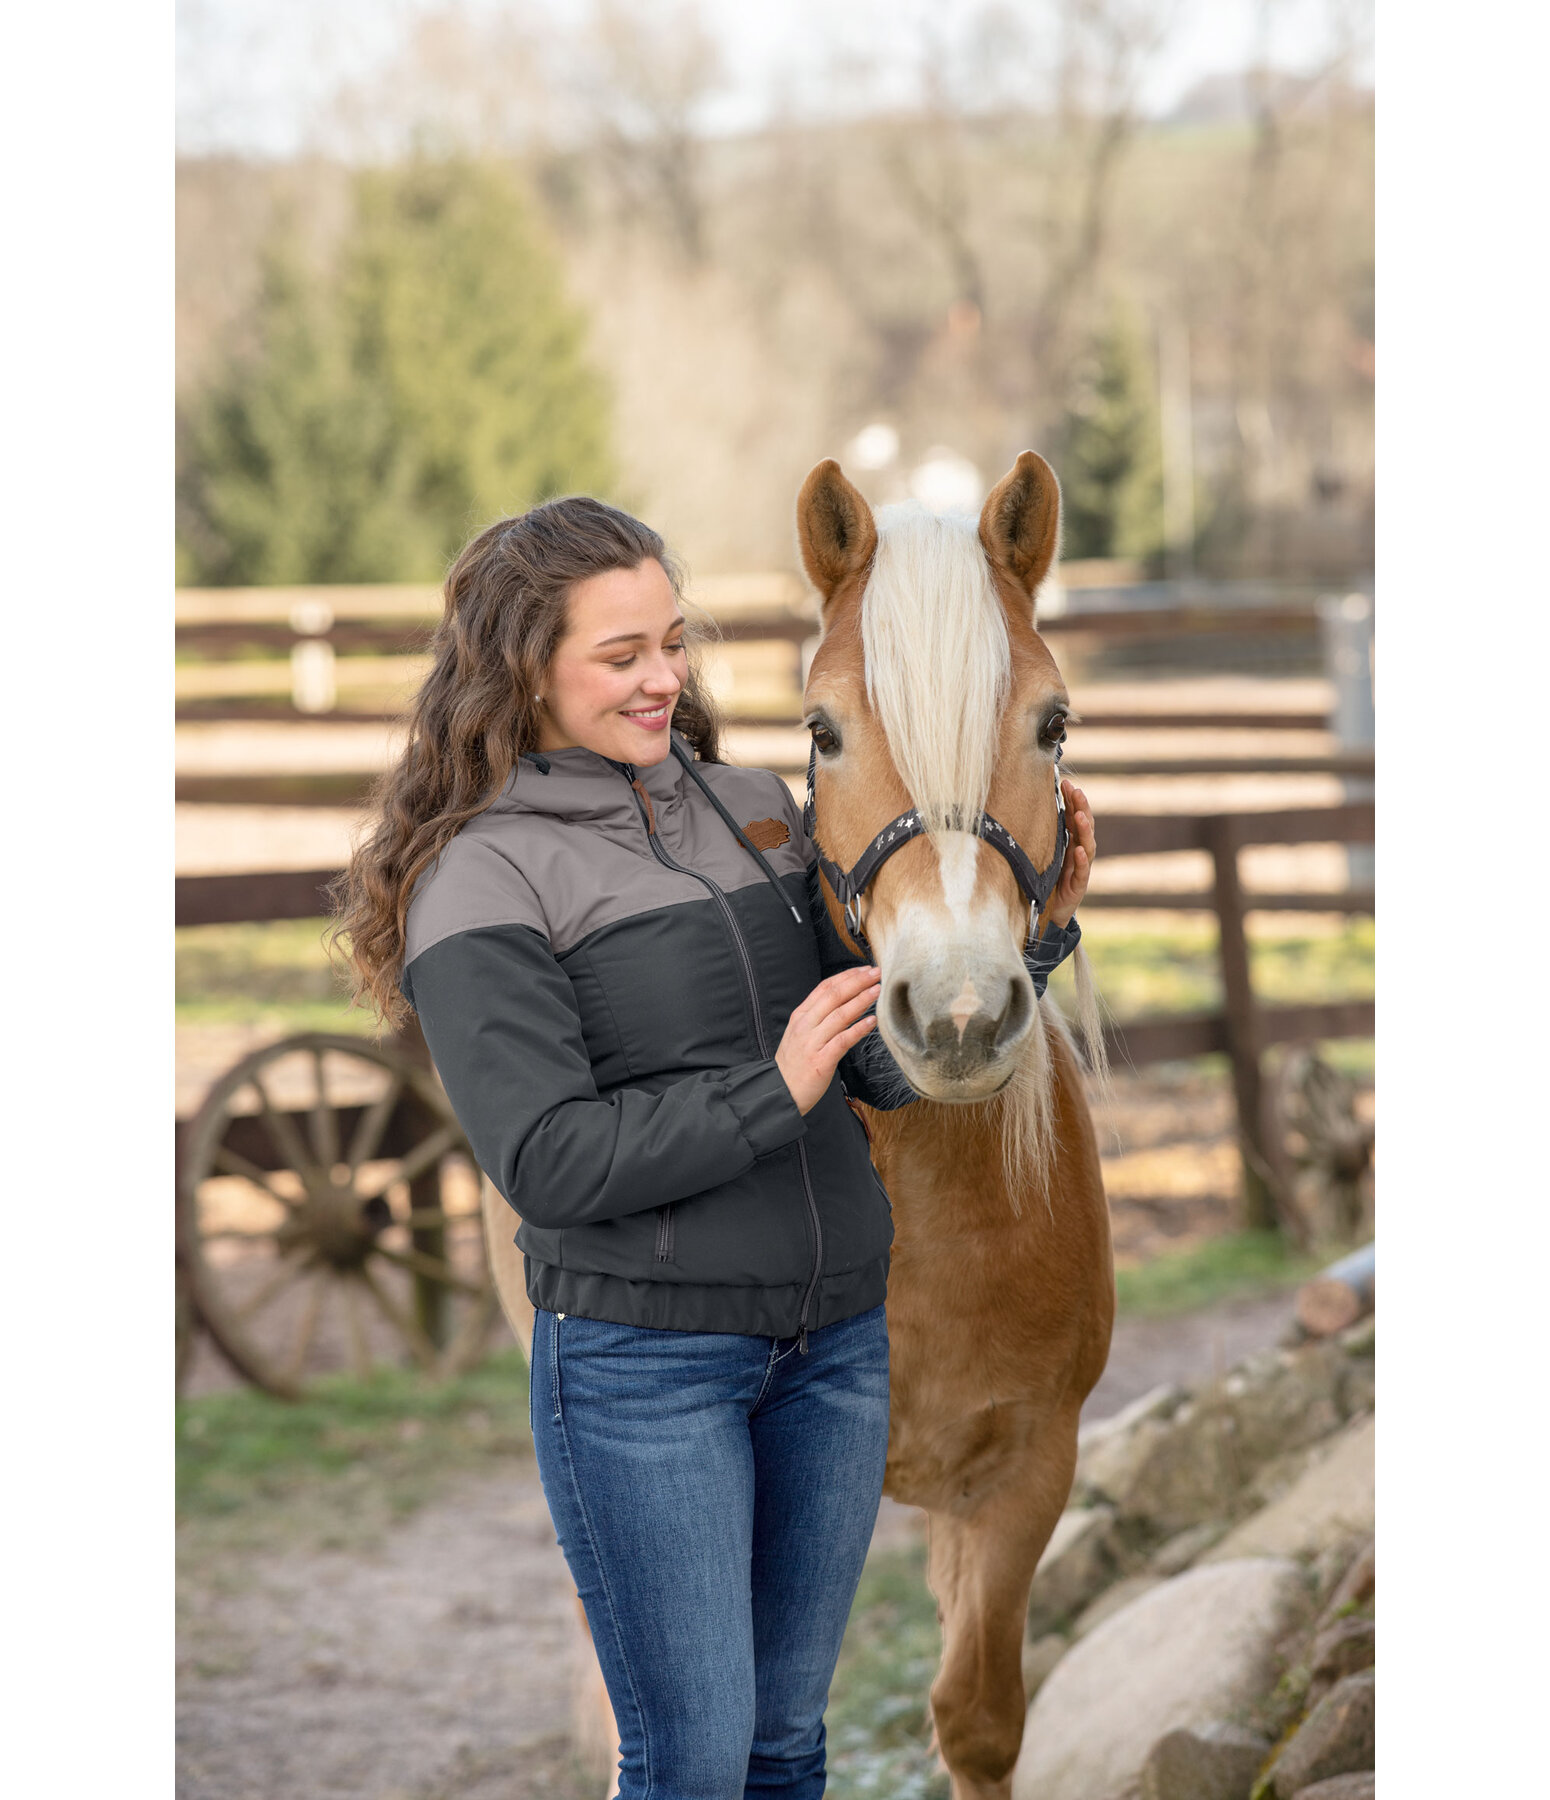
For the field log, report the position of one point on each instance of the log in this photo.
(1338, 1296)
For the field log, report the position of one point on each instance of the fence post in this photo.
(1242, 1022)
(1345, 624)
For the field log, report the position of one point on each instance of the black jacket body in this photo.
(603, 973)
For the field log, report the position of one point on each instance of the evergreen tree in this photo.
(290, 470)
(1111, 462)
(436, 380)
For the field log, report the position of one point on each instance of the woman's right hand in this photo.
(829, 1021)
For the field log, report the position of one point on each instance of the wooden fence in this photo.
(369, 640)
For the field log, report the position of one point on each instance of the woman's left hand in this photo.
(1080, 851)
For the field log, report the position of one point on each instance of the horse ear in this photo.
(835, 528)
(1020, 524)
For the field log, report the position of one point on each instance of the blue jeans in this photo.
(714, 1495)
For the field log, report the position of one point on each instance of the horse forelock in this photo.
(938, 659)
(938, 666)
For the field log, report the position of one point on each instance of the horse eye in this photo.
(1054, 729)
(823, 737)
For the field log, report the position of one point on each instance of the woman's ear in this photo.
(1020, 523)
(835, 529)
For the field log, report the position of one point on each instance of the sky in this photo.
(255, 76)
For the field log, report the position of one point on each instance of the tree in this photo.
(1111, 457)
(436, 379)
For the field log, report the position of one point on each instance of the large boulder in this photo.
(1338, 1737)
(1193, 1650)
(1333, 1500)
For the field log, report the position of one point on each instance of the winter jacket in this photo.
(603, 972)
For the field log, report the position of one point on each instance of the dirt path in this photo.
(440, 1666)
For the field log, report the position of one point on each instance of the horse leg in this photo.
(980, 1567)
(594, 1733)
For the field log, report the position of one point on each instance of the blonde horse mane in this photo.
(939, 674)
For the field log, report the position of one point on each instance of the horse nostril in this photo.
(1016, 1015)
(901, 1016)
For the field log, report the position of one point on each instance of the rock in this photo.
(1341, 1649)
(1175, 1556)
(1342, 1787)
(1113, 1600)
(1076, 1564)
(1160, 1402)
(1106, 1447)
(1166, 1475)
(1333, 1498)
(1282, 1401)
(1039, 1659)
(1190, 1651)
(1356, 1586)
(1338, 1737)
(1211, 1762)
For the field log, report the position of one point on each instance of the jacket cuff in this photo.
(766, 1114)
(1054, 947)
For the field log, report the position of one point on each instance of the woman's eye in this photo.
(621, 665)
(823, 737)
(1054, 731)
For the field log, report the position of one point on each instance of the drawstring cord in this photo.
(737, 831)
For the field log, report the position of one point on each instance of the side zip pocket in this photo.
(665, 1233)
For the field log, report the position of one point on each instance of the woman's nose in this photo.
(663, 679)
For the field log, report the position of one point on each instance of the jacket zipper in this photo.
(665, 1233)
(752, 989)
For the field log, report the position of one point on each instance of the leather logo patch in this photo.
(767, 834)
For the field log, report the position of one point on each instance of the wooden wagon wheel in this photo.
(328, 1216)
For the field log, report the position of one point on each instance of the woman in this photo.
(649, 1029)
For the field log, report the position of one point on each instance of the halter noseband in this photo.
(850, 884)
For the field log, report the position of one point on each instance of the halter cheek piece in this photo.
(850, 884)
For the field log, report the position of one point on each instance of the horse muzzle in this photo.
(957, 1030)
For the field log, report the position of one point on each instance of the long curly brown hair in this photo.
(476, 713)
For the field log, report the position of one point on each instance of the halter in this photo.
(850, 884)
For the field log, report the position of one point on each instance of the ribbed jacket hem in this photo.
(679, 1306)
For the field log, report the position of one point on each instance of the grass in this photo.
(1144, 974)
(1234, 1266)
(277, 975)
(878, 1732)
(347, 1462)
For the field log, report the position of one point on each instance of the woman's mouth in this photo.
(651, 718)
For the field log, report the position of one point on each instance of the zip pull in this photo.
(802, 1342)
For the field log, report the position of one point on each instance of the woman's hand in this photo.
(1078, 866)
(828, 1022)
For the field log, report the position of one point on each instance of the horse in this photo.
(932, 694)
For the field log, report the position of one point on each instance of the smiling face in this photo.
(619, 668)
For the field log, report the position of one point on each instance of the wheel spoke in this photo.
(282, 1131)
(407, 1328)
(325, 1121)
(418, 1263)
(426, 1152)
(360, 1349)
(321, 1280)
(373, 1122)
(282, 1277)
(231, 1163)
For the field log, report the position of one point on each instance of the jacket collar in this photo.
(580, 784)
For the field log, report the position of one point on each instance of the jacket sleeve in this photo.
(867, 1069)
(502, 1025)
(1044, 956)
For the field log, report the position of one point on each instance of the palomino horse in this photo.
(931, 691)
